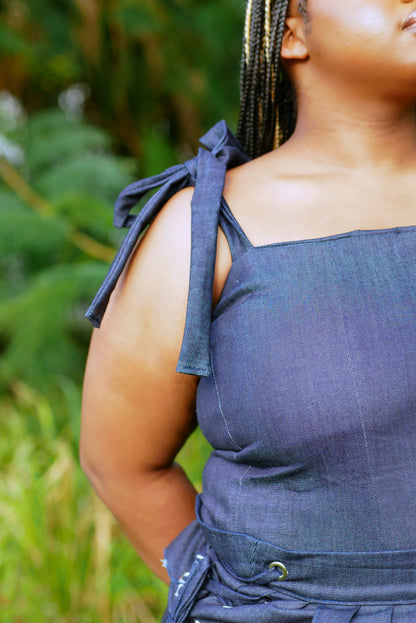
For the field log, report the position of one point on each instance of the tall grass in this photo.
(62, 556)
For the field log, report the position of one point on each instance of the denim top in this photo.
(307, 391)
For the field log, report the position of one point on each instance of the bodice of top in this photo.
(311, 404)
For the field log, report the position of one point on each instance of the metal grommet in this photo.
(183, 577)
(281, 567)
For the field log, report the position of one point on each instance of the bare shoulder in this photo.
(261, 177)
(271, 196)
(153, 287)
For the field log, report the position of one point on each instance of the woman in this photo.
(304, 374)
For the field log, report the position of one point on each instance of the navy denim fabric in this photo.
(308, 396)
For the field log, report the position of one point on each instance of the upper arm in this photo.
(137, 410)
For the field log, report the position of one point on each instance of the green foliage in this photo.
(52, 137)
(146, 63)
(39, 323)
(63, 558)
(89, 173)
(64, 153)
(67, 183)
(23, 233)
(86, 212)
(137, 78)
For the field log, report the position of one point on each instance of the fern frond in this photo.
(38, 324)
(53, 137)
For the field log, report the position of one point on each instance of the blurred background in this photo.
(93, 94)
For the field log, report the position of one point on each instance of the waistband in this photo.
(386, 577)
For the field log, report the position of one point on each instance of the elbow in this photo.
(108, 473)
(97, 473)
(92, 453)
(93, 464)
(89, 464)
(86, 465)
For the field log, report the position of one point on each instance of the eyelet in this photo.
(281, 567)
(183, 576)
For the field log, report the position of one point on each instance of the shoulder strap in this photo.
(206, 202)
(206, 172)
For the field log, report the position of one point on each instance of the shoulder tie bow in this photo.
(206, 172)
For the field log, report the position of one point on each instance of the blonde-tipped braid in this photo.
(247, 27)
(267, 30)
(268, 102)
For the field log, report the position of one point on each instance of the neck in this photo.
(356, 132)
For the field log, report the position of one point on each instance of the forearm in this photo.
(151, 508)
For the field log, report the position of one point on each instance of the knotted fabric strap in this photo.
(206, 202)
(206, 172)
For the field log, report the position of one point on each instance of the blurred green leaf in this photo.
(53, 137)
(23, 232)
(100, 174)
(38, 323)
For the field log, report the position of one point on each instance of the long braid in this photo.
(251, 78)
(271, 129)
(255, 77)
(268, 101)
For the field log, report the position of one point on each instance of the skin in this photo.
(355, 137)
(349, 165)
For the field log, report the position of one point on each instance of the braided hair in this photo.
(268, 100)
